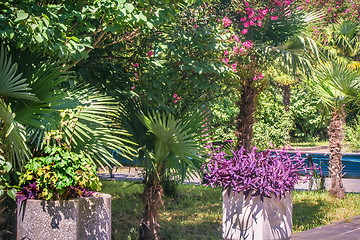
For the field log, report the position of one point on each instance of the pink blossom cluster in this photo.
(346, 9)
(258, 76)
(252, 17)
(226, 22)
(176, 98)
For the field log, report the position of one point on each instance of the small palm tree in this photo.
(337, 84)
(168, 146)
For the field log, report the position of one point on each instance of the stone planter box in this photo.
(256, 220)
(82, 218)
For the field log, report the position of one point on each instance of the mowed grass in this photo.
(195, 212)
(309, 144)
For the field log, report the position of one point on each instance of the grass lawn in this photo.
(309, 144)
(195, 212)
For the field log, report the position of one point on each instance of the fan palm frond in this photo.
(13, 137)
(336, 83)
(98, 132)
(179, 143)
(11, 83)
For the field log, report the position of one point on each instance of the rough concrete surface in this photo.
(77, 219)
(251, 218)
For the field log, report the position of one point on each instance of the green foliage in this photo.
(224, 110)
(352, 135)
(185, 68)
(37, 97)
(70, 30)
(273, 123)
(5, 187)
(336, 83)
(59, 170)
(309, 122)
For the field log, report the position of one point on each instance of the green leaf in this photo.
(129, 7)
(21, 15)
(84, 54)
(150, 25)
(7, 167)
(46, 20)
(123, 11)
(12, 193)
(38, 38)
(143, 17)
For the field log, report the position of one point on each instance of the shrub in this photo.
(273, 123)
(353, 135)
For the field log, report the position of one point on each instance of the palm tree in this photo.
(168, 147)
(337, 84)
(342, 41)
(37, 98)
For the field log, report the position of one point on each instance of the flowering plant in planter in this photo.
(256, 173)
(58, 173)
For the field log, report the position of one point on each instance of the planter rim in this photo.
(94, 195)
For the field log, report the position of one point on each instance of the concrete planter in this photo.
(82, 218)
(256, 220)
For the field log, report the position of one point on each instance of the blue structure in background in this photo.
(125, 161)
(350, 161)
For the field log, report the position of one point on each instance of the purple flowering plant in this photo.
(256, 173)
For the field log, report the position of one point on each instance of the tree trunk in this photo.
(335, 165)
(286, 94)
(152, 198)
(245, 119)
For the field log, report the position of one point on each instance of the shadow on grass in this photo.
(192, 213)
(308, 214)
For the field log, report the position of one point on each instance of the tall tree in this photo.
(337, 84)
(257, 33)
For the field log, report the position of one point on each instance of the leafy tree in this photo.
(261, 34)
(71, 30)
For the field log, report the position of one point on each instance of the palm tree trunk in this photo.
(245, 119)
(152, 198)
(335, 164)
(286, 94)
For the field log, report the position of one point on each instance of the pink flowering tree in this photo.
(257, 34)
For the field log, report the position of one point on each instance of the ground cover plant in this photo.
(195, 212)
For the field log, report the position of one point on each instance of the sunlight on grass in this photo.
(195, 212)
(313, 209)
(309, 144)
